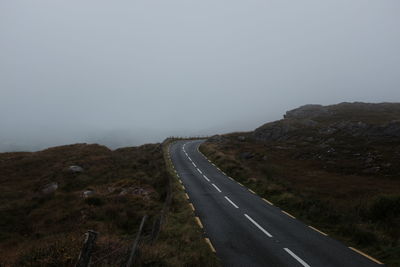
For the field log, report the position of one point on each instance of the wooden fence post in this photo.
(136, 243)
(85, 255)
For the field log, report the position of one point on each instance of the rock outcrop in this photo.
(307, 111)
(354, 119)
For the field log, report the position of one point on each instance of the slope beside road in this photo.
(247, 230)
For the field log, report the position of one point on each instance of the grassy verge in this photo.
(363, 212)
(181, 241)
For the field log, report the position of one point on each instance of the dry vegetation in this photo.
(39, 228)
(349, 187)
(181, 241)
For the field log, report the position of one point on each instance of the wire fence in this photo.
(126, 252)
(113, 253)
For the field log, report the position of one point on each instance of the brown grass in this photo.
(41, 230)
(47, 230)
(330, 193)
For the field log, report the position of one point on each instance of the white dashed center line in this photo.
(236, 206)
(216, 187)
(296, 257)
(230, 201)
(258, 226)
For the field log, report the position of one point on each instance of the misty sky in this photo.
(128, 72)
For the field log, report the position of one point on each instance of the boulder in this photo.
(246, 155)
(75, 169)
(50, 188)
(241, 138)
(88, 193)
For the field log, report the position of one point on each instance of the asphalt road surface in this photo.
(245, 229)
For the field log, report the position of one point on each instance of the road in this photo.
(245, 229)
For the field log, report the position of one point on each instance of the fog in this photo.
(124, 73)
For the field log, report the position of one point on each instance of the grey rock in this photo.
(352, 128)
(369, 160)
(274, 131)
(308, 123)
(241, 138)
(136, 191)
(327, 131)
(124, 191)
(323, 146)
(88, 193)
(331, 150)
(75, 169)
(111, 189)
(246, 155)
(50, 188)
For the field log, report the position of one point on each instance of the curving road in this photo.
(247, 230)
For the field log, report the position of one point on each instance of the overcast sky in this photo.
(128, 72)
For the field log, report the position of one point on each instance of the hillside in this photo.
(333, 166)
(51, 198)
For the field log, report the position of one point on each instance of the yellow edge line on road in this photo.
(288, 214)
(252, 191)
(211, 246)
(240, 184)
(186, 195)
(199, 222)
(365, 255)
(269, 202)
(315, 229)
(191, 206)
(183, 187)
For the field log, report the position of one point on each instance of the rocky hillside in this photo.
(365, 134)
(352, 119)
(336, 167)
